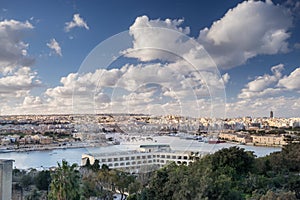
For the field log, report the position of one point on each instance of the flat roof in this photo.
(6, 160)
(154, 145)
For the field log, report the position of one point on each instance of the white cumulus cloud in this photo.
(251, 28)
(151, 38)
(54, 45)
(263, 85)
(76, 22)
(134, 86)
(270, 85)
(292, 81)
(18, 84)
(13, 50)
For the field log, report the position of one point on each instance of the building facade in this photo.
(147, 158)
(269, 140)
(5, 179)
(236, 137)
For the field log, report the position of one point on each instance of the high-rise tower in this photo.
(271, 114)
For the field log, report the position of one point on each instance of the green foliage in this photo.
(34, 195)
(42, 180)
(65, 184)
(280, 195)
(88, 163)
(231, 173)
(26, 180)
(291, 157)
(89, 182)
(232, 160)
(104, 182)
(95, 165)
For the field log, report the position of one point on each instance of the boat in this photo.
(187, 136)
(6, 150)
(215, 141)
(116, 142)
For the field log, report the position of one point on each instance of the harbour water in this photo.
(49, 158)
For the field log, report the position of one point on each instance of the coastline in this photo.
(254, 144)
(73, 145)
(28, 148)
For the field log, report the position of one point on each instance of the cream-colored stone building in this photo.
(147, 158)
(236, 137)
(269, 140)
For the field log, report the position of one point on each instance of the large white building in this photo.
(146, 158)
(5, 179)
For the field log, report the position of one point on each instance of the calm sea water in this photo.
(46, 159)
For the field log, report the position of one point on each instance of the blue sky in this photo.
(246, 58)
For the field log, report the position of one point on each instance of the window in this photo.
(121, 159)
(115, 159)
(103, 160)
(116, 164)
(168, 156)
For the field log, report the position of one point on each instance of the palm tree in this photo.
(65, 184)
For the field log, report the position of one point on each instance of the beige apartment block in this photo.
(236, 137)
(269, 140)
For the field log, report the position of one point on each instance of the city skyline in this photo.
(215, 59)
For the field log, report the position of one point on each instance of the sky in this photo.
(192, 58)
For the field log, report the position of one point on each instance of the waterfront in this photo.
(49, 158)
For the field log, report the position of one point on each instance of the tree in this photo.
(88, 163)
(34, 195)
(281, 195)
(233, 159)
(122, 182)
(26, 180)
(42, 180)
(96, 165)
(159, 186)
(65, 184)
(291, 156)
(89, 183)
